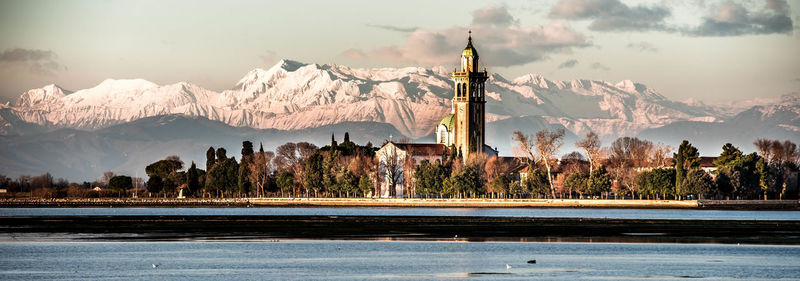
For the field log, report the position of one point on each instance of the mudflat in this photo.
(408, 227)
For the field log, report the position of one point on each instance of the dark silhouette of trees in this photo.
(599, 181)
(192, 180)
(658, 183)
(155, 184)
(314, 173)
(223, 177)
(221, 154)
(686, 158)
(285, 182)
(210, 158)
(120, 183)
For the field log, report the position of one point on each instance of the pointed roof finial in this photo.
(470, 35)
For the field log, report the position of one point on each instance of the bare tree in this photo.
(791, 153)
(781, 157)
(591, 147)
(626, 154)
(525, 146)
(292, 156)
(660, 154)
(764, 147)
(305, 149)
(107, 175)
(409, 183)
(547, 144)
(285, 156)
(260, 170)
(392, 167)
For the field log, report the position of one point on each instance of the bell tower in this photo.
(469, 103)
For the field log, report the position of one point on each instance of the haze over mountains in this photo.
(122, 125)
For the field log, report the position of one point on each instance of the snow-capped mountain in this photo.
(292, 95)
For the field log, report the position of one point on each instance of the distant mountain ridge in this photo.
(293, 96)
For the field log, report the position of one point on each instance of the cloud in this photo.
(598, 66)
(493, 15)
(393, 28)
(269, 57)
(568, 64)
(20, 54)
(501, 45)
(39, 62)
(355, 54)
(733, 19)
(612, 15)
(643, 47)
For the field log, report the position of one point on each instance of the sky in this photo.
(712, 51)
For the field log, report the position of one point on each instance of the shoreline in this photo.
(401, 203)
(162, 228)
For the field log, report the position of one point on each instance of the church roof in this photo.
(470, 50)
(448, 121)
(422, 149)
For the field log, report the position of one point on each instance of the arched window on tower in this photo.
(458, 90)
(464, 88)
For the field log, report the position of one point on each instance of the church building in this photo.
(463, 130)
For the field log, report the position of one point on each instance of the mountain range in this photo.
(121, 125)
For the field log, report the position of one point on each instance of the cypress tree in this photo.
(210, 159)
(221, 154)
(686, 158)
(247, 151)
(243, 179)
(192, 180)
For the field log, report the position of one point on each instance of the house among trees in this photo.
(461, 133)
(397, 158)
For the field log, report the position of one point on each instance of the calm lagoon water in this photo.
(479, 212)
(392, 260)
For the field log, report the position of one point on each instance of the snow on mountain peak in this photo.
(291, 95)
(126, 84)
(627, 85)
(289, 65)
(533, 78)
(44, 95)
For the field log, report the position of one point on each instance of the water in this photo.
(480, 212)
(392, 260)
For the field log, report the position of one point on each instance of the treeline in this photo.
(292, 170)
(629, 168)
(46, 186)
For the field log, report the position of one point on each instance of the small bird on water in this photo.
(508, 266)
(155, 266)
